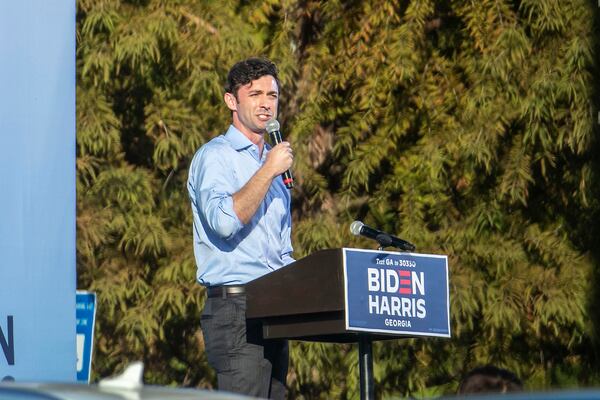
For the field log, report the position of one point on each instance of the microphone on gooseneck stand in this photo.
(275, 135)
(384, 239)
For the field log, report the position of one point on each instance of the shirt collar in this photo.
(239, 142)
(237, 139)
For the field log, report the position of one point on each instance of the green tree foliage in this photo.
(465, 127)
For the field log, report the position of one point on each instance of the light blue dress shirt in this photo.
(228, 252)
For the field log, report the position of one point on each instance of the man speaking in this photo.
(242, 226)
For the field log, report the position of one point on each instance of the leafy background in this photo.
(466, 127)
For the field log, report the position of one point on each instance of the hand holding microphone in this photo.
(272, 128)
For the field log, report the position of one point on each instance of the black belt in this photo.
(225, 291)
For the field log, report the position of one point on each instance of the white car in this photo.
(127, 386)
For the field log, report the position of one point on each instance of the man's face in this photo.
(256, 103)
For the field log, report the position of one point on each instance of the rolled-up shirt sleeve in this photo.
(214, 183)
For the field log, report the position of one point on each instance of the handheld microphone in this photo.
(384, 239)
(275, 135)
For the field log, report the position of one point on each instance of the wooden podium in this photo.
(304, 301)
(308, 300)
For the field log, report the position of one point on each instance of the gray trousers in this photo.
(245, 363)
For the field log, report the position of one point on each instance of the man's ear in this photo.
(230, 101)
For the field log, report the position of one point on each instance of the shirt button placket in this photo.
(263, 210)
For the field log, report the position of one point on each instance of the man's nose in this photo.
(266, 103)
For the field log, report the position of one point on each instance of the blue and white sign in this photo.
(85, 306)
(396, 293)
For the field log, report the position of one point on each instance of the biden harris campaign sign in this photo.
(396, 293)
(37, 197)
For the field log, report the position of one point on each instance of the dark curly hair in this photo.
(244, 72)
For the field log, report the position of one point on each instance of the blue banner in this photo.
(396, 293)
(37, 201)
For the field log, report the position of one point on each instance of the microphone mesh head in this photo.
(272, 125)
(355, 227)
